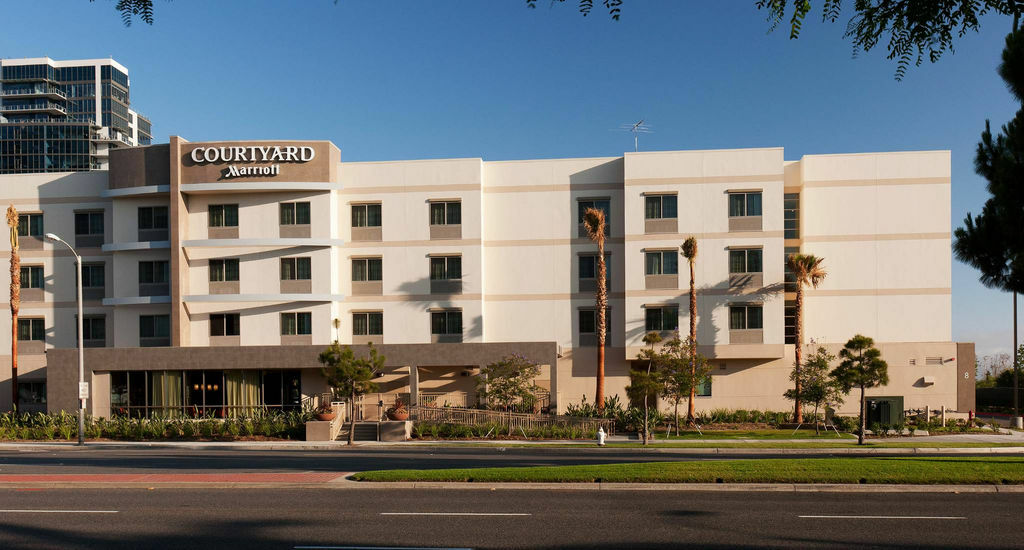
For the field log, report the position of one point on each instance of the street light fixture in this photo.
(82, 395)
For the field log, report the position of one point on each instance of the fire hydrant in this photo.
(600, 436)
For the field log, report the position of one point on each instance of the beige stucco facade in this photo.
(880, 220)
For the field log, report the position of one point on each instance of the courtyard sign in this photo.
(252, 153)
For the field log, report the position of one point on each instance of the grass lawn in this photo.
(816, 444)
(802, 433)
(915, 470)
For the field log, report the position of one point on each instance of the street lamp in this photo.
(82, 396)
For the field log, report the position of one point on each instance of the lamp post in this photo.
(81, 342)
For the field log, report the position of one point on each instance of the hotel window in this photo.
(446, 322)
(93, 276)
(32, 276)
(704, 387)
(588, 326)
(445, 268)
(31, 329)
(30, 225)
(367, 269)
(791, 215)
(94, 329)
(662, 262)
(604, 205)
(156, 272)
(366, 215)
(294, 213)
(789, 281)
(295, 269)
(658, 207)
(154, 330)
(153, 217)
(223, 215)
(745, 261)
(224, 324)
(744, 204)
(224, 270)
(368, 324)
(746, 318)
(790, 321)
(296, 324)
(445, 213)
(588, 271)
(664, 318)
(89, 224)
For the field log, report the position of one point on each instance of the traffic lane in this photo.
(276, 518)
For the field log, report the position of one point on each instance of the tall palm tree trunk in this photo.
(693, 342)
(602, 321)
(863, 420)
(798, 415)
(15, 300)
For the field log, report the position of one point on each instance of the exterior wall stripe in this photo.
(762, 178)
(873, 182)
(875, 237)
(877, 291)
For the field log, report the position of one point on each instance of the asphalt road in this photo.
(72, 460)
(293, 519)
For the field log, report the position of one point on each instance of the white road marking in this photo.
(372, 548)
(451, 514)
(58, 511)
(883, 517)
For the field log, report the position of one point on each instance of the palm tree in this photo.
(594, 222)
(807, 270)
(690, 253)
(12, 222)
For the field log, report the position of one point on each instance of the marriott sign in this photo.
(254, 153)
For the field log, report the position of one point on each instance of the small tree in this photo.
(681, 372)
(862, 367)
(509, 381)
(646, 383)
(349, 375)
(816, 386)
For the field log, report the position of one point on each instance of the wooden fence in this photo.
(515, 421)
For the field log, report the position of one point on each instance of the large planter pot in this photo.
(325, 417)
(400, 414)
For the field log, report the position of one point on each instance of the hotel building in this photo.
(216, 272)
(64, 116)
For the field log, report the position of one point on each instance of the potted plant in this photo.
(398, 411)
(325, 412)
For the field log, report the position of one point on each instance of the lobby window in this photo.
(294, 213)
(296, 324)
(31, 329)
(224, 324)
(224, 270)
(790, 321)
(30, 225)
(704, 387)
(446, 322)
(367, 269)
(152, 217)
(791, 215)
(296, 269)
(661, 318)
(154, 330)
(744, 204)
(89, 224)
(32, 276)
(31, 393)
(370, 323)
(657, 207)
(604, 205)
(223, 215)
(446, 213)
(445, 268)
(745, 261)
(366, 215)
(662, 262)
(746, 317)
(155, 272)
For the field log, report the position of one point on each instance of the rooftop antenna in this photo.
(637, 129)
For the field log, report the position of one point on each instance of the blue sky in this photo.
(465, 78)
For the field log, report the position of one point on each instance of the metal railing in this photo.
(515, 421)
(47, 91)
(29, 108)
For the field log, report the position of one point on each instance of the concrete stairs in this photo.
(365, 431)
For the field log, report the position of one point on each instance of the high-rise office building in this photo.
(65, 116)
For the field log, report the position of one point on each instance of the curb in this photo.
(689, 487)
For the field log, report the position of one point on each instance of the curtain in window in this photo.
(288, 324)
(653, 319)
(305, 323)
(302, 269)
(671, 261)
(230, 270)
(654, 263)
(754, 317)
(216, 270)
(737, 318)
(231, 215)
(737, 205)
(302, 213)
(375, 322)
(288, 213)
(359, 215)
(437, 269)
(454, 213)
(165, 393)
(288, 269)
(652, 208)
(437, 322)
(753, 204)
(359, 324)
(373, 215)
(242, 390)
(668, 206)
(737, 261)
(216, 216)
(437, 213)
(754, 261)
(455, 267)
(358, 270)
(374, 269)
(32, 277)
